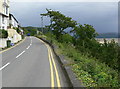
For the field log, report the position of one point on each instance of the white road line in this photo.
(4, 66)
(28, 47)
(30, 44)
(20, 54)
(31, 41)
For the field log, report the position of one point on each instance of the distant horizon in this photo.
(97, 32)
(103, 16)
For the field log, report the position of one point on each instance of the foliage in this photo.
(91, 71)
(25, 30)
(85, 41)
(31, 30)
(3, 33)
(66, 38)
(17, 29)
(84, 76)
(59, 22)
(84, 34)
(94, 63)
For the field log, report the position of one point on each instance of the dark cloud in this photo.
(103, 16)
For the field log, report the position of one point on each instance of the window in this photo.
(3, 19)
(6, 10)
(3, 27)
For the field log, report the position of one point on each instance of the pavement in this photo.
(31, 64)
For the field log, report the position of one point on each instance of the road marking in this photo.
(52, 61)
(28, 47)
(51, 66)
(12, 46)
(30, 44)
(20, 54)
(56, 71)
(4, 66)
(31, 40)
(51, 69)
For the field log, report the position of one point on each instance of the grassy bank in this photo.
(89, 70)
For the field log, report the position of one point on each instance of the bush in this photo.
(84, 76)
(66, 38)
(91, 71)
(18, 30)
(3, 33)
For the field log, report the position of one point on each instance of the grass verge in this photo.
(90, 71)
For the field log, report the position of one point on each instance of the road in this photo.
(31, 64)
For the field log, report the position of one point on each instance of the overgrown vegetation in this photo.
(94, 63)
(31, 30)
(3, 33)
(17, 29)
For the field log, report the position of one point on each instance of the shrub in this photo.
(3, 33)
(84, 76)
(91, 71)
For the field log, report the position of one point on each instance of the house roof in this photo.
(3, 14)
(11, 15)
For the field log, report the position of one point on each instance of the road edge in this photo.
(73, 81)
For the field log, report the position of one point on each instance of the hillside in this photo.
(108, 35)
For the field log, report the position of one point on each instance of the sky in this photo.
(103, 16)
(64, 0)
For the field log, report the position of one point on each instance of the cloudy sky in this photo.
(102, 15)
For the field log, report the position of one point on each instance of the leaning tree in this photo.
(59, 23)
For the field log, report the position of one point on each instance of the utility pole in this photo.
(42, 23)
(51, 30)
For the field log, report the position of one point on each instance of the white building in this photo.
(7, 22)
(4, 14)
(13, 21)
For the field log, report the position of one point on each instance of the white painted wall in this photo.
(0, 21)
(3, 43)
(14, 36)
(13, 22)
(3, 24)
(3, 5)
(15, 39)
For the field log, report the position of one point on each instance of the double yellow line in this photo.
(52, 68)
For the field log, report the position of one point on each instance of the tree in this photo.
(67, 39)
(31, 30)
(84, 34)
(59, 22)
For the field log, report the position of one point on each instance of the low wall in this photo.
(73, 82)
(3, 43)
(12, 35)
